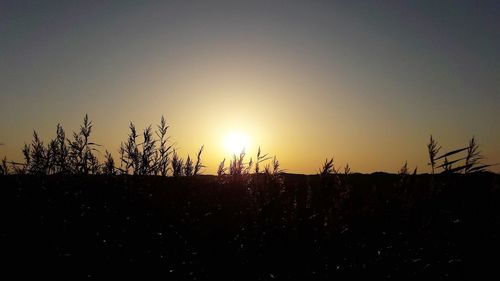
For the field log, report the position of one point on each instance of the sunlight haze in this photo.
(366, 83)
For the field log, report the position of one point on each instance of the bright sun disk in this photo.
(236, 142)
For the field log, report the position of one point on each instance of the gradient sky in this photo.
(366, 82)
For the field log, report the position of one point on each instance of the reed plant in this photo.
(221, 170)
(273, 168)
(347, 169)
(328, 168)
(199, 165)
(4, 168)
(188, 167)
(38, 160)
(129, 151)
(147, 164)
(473, 158)
(108, 168)
(237, 165)
(403, 171)
(164, 150)
(260, 158)
(177, 165)
(433, 150)
(81, 150)
(468, 163)
(60, 152)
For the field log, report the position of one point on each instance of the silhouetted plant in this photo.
(273, 178)
(248, 167)
(404, 174)
(343, 180)
(237, 165)
(328, 168)
(123, 164)
(81, 156)
(404, 169)
(109, 165)
(26, 154)
(221, 170)
(267, 169)
(188, 167)
(177, 165)
(38, 164)
(260, 159)
(347, 169)
(163, 151)
(276, 167)
(199, 165)
(433, 150)
(18, 168)
(147, 155)
(273, 168)
(473, 158)
(51, 157)
(4, 168)
(59, 152)
(130, 152)
(22, 168)
(93, 164)
(447, 166)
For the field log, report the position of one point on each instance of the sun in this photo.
(236, 142)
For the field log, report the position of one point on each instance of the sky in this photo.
(364, 82)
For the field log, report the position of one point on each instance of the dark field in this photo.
(253, 227)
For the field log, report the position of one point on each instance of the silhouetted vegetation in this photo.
(254, 226)
(139, 155)
(155, 156)
(70, 211)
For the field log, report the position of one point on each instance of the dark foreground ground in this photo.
(255, 228)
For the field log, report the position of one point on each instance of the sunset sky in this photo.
(364, 82)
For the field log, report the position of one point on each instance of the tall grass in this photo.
(60, 152)
(221, 170)
(81, 150)
(404, 169)
(130, 152)
(4, 168)
(260, 158)
(237, 165)
(177, 165)
(151, 153)
(37, 163)
(148, 154)
(164, 150)
(108, 167)
(460, 163)
(188, 167)
(273, 168)
(199, 165)
(328, 168)
(433, 150)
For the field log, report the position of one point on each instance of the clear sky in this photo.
(366, 82)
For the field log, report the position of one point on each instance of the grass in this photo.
(151, 153)
(466, 159)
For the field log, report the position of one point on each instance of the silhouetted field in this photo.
(252, 227)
